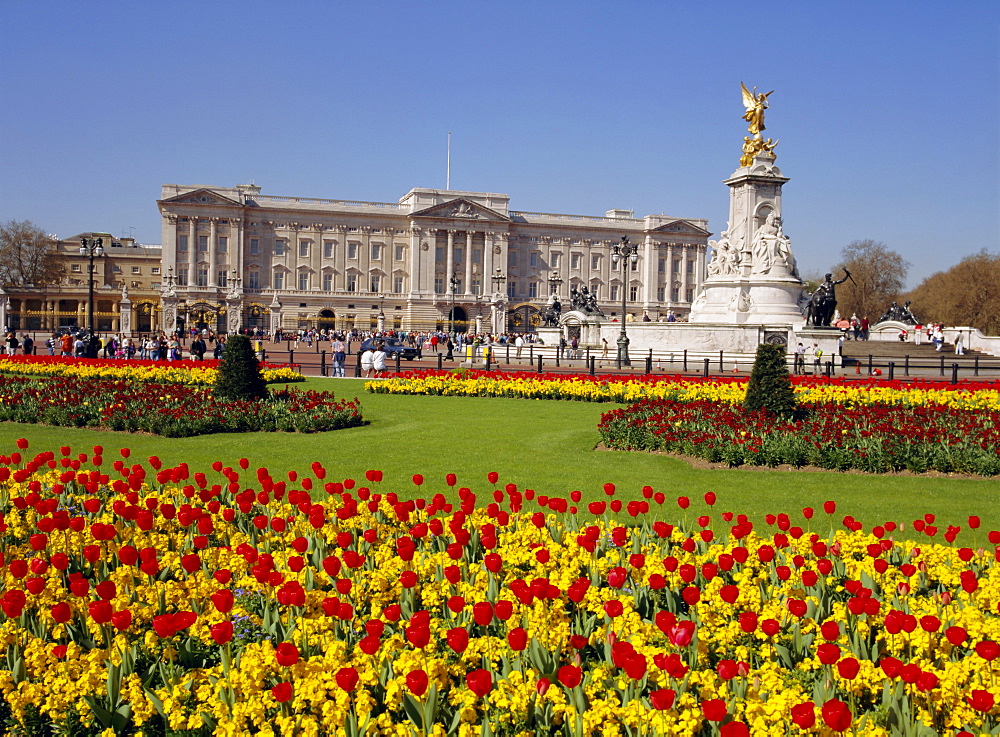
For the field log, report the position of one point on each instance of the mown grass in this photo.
(543, 445)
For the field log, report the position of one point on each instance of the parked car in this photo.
(392, 346)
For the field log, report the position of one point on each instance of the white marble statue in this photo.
(725, 259)
(771, 248)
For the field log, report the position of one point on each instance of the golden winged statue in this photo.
(756, 104)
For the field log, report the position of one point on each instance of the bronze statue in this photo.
(823, 302)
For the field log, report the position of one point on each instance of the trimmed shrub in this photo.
(239, 372)
(770, 386)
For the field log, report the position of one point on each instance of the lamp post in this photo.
(498, 278)
(554, 283)
(622, 255)
(91, 248)
(381, 313)
(452, 286)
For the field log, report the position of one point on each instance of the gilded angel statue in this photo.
(756, 104)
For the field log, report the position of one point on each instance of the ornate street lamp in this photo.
(91, 248)
(554, 283)
(622, 255)
(452, 285)
(498, 280)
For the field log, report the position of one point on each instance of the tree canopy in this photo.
(27, 255)
(878, 275)
(966, 295)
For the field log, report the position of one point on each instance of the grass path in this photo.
(544, 445)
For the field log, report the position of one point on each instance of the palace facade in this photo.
(126, 282)
(236, 258)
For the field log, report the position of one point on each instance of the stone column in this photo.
(340, 259)
(669, 291)
(450, 266)
(213, 258)
(415, 270)
(236, 246)
(365, 260)
(648, 274)
(684, 273)
(192, 274)
(4, 311)
(468, 261)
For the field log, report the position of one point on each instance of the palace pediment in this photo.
(462, 209)
(681, 227)
(200, 197)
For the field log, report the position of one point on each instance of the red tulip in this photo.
(570, 676)
(482, 612)
(987, 650)
(458, 639)
(222, 632)
(714, 710)
(61, 612)
(223, 600)
(480, 682)
(517, 638)
(848, 668)
(286, 654)
(804, 715)
(282, 692)
(837, 715)
(734, 729)
(416, 681)
(662, 699)
(347, 678)
(981, 700)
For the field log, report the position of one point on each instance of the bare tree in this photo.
(878, 275)
(27, 255)
(966, 295)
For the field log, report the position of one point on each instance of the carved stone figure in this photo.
(725, 259)
(168, 290)
(770, 247)
(124, 291)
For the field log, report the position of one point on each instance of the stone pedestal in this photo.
(752, 277)
(234, 313)
(275, 308)
(125, 316)
(168, 307)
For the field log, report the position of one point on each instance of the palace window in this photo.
(327, 249)
(661, 266)
(352, 250)
(303, 249)
(303, 280)
(328, 282)
(689, 296)
(595, 262)
(203, 243)
(477, 285)
(635, 265)
(574, 261)
(155, 270)
(376, 252)
(399, 252)
(512, 258)
(554, 260)
(254, 246)
(253, 280)
(352, 282)
(614, 292)
(633, 293)
(397, 285)
(511, 289)
(533, 260)
(77, 268)
(438, 285)
(221, 277)
(375, 282)
(477, 256)
(279, 248)
(223, 244)
(674, 294)
(182, 277)
(660, 294)
(279, 280)
(182, 243)
(202, 277)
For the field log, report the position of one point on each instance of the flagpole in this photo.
(448, 179)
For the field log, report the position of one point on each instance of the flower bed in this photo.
(157, 599)
(157, 372)
(172, 410)
(870, 438)
(627, 389)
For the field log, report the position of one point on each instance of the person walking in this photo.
(817, 353)
(519, 344)
(27, 345)
(339, 356)
(959, 348)
(11, 343)
(799, 364)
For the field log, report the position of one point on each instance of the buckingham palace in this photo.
(236, 258)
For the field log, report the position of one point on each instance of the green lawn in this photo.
(544, 445)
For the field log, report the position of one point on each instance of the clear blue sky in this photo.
(887, 113)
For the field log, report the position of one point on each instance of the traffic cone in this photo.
(857, 367)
